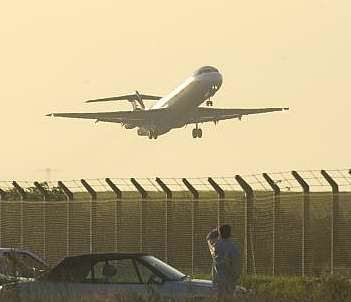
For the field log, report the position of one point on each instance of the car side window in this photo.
(147, 275)
(121, 271)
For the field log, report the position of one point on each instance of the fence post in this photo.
(140, 189)
(276, 222)
(334, 217)
(44, 194)
(22, 193)
(118, 193)
(69, 197)
(168, 214)
(66, 191)
(114, 188)
(306, 268)
(195, 206)
(221, 197)
(144, 196)
(249, 265)
(23, 196)
(93, 197)
(91, 191)
(2, 195)
(45, 197)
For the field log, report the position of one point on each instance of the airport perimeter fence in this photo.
(288, 223)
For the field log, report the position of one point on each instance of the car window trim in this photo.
(92, 270)
(137, 271)
(153, 269)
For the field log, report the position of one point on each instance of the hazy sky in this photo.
(55, 55)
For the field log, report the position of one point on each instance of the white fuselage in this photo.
(192, 92)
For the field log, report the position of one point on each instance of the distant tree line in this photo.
(33, 193)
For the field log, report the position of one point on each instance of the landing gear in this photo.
(209, 103)
(194, 133)
(152, 134)
(197, 132)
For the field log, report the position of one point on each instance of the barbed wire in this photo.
(284, 180)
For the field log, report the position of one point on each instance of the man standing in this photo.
(226, 260)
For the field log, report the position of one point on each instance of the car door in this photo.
(110, 278)
(158, 286)
(152, 281)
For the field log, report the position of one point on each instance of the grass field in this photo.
(324, 289)
(265, 289)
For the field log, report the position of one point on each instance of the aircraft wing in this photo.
(202, 115)
(114, 117)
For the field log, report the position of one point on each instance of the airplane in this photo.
(175, 110)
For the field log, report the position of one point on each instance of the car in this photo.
(20, 263)
(134, 276)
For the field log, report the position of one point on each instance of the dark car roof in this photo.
(101, 256)
(71, 261)
(92, 258)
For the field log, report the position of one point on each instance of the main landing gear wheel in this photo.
(194, 133)
(153, 134)
(197, 133)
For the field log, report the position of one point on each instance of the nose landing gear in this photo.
(209, 103)
(212, 91)
(197, 132)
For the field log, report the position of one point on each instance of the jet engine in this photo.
(128, 126)
(142, 132)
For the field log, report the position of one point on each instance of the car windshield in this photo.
(19, 264)
(168, 271)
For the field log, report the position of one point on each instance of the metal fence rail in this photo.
(287, 223)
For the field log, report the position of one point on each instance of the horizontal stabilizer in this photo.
(128, 97)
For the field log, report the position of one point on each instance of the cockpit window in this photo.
(205, 69)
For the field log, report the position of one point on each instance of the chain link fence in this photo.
(288, 223)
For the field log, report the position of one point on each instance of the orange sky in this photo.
(271, 54)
